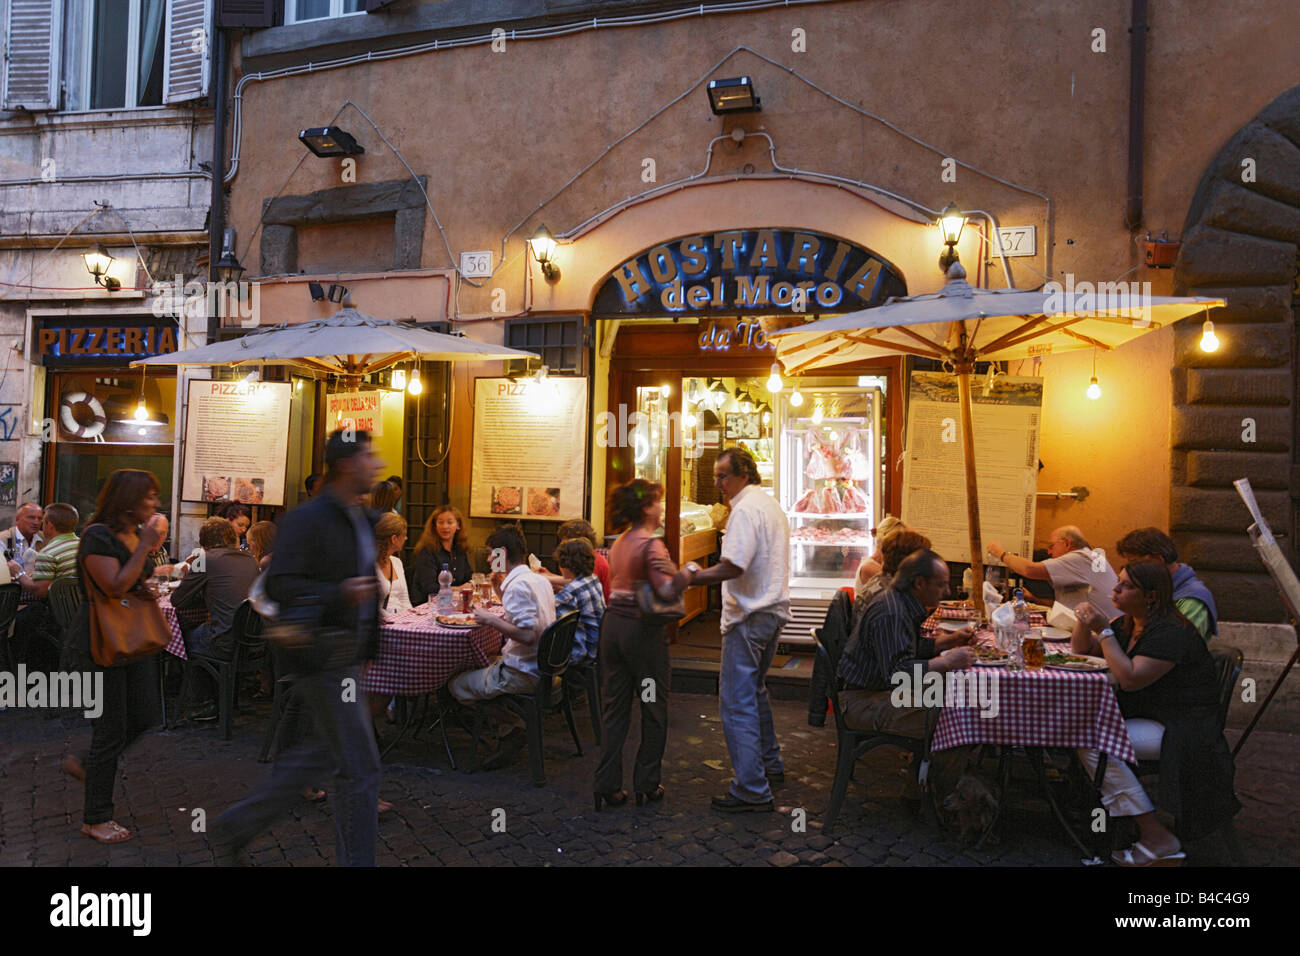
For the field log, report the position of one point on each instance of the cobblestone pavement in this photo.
(446, 817)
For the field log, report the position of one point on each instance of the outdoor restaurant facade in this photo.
(685, 237)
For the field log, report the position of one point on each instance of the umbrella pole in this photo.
(972, 496)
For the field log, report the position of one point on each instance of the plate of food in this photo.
(1074, 662)
(991, 657)
(457, 620)
(507, 500)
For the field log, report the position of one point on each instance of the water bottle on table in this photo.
(446, 599)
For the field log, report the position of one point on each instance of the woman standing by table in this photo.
(634, 648)
(114, 551)
(442, 542)
(1169, 695)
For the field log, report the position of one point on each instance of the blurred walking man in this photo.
(322, 574)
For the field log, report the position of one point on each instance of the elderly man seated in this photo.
(1191, 596)
(35, 634)
(1078, 573)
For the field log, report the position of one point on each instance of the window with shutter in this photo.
(188, 50)
(245, 13)
(33, 42)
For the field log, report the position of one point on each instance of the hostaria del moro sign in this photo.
(749, 270)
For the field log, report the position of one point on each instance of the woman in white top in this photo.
(390, 537)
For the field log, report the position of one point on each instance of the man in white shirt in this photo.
(754, 569)
(1078, 574)
(23, 540)
(529, 605)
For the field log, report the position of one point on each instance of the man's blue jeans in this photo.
(747, 652)
(343, 742)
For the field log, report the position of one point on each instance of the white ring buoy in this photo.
(71, 425)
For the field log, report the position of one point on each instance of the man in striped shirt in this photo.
(35, 634)
(581, 593)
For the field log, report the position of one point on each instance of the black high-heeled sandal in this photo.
(615, 799)
(654, 796)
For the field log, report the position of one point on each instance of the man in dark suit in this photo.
(323, 576)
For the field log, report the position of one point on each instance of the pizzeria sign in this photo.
(748, 270)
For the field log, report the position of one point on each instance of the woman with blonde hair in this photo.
(390, 538)
(873, 565)
(443, 541)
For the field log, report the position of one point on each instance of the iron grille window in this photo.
(560, 342)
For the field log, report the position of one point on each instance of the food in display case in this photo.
(829, 478)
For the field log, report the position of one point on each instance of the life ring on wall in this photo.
(69, 422)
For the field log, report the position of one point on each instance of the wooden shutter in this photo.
(373, 5)
(187, 60)
(33, 44)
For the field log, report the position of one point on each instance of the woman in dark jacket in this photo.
(443, 541)
(633, 648)
(114, 551)
(1169, 695)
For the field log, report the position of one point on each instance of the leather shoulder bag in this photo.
(650, 604)
(123, 629)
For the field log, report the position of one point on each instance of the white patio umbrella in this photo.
(349, 344)
(962, 325)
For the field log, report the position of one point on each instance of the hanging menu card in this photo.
(236, 442)
(529, 457)
(1006, 425)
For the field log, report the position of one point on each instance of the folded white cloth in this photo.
(1062, 617)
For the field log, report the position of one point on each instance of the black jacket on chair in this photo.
(835, 635)
(315, 552)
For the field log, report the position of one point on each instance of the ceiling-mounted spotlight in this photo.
(317, 291)
(337, 292)
(734, 95)
(330, 141)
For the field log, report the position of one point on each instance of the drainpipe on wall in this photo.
(1136, 114)
(217, 211)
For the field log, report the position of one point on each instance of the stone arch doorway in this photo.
(1235, 410)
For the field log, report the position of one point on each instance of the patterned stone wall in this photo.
(1240, 243)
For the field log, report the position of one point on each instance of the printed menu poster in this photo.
(529, 458)
(1006, 426)
(236, 442)
(363, 411)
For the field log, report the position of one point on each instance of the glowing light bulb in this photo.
(796, 398)
(835, 436)
(141, 431)
(690, 420)
(665, 390)
(414, 386)
(767, 418)
(1094, 390)
(141, 413)
(818, 414)
(774, 380)
(1209, 341)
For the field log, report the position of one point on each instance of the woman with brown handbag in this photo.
(633, 643)
(118, 630)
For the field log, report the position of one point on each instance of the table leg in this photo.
(1035, 755)
(1004, 776)
(408, 720)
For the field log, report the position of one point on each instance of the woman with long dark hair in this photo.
(1169, 694)
(443, 541)
(114, 551)
(633, 647)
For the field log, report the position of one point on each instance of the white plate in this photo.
(954, 625)
(1055, 634)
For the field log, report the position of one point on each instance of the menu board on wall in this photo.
(236, 442)
(529, 457)
(1006, 426)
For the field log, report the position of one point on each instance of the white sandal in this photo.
(1139, 855)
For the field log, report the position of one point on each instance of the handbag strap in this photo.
(92, 584)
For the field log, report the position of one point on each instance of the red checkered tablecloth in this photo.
(1047, 708)
(416, 656)
(191, 617)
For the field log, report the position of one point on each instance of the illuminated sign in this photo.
(747, 334)
(749, 270)
(88, 343)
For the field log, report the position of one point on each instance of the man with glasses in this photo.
(1077, 572)
(754, 569)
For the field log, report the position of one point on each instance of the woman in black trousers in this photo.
(634, 648)
(114, 550)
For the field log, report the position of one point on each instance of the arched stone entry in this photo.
(1240, 242)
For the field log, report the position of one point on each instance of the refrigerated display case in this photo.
(829, 485)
